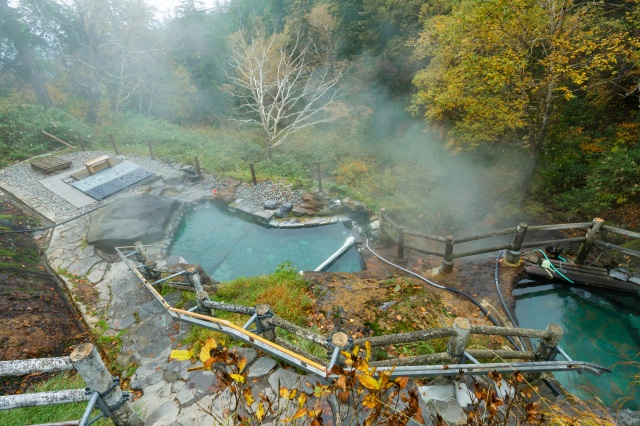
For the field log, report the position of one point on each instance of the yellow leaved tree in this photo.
(499, 68)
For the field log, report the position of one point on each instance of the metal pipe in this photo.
(348, 243)
(563, 353)
(87, 412)
(169, 277)
(251, 320)
(192, 309)
(334, 358)
(471, 358)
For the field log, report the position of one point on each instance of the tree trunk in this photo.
(538, 142)
(25, 52)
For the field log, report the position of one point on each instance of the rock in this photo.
(313, 203)
(261, 367)
(249, 353)
(270, 204)
(356, 210)
(189, 170)
(127, 220)
(298, 211)
(165, 415)
(227, 190)
(284, 378)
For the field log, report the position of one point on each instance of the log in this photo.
(619, 231)
(87, 361)
(412, 336)
(558, 241)
(299, 331)
(560, 227)
(592, 235)
(546, 349)
(41, 399)
(37, 365)
(500, 354)
(264, 313)
(617, 248)
(221, 306)
(507, 331)
(486, 235)
(59, 140)
(458, 342)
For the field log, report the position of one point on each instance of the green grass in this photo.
(284, 290)
(51, 413)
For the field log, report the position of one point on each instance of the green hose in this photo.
(553, 267)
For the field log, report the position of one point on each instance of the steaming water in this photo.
(600, 327)
(229, 247)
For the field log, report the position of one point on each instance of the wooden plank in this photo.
(588, 279)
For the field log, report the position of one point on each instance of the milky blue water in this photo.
(229, 247)
(600, 327)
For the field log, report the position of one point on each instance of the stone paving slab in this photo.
(65, 191)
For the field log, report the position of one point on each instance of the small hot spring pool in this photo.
(228, 247)
(600, 326)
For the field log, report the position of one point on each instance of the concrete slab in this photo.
(56, 185)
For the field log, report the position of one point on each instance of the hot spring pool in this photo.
(228, 247)
(600, 327)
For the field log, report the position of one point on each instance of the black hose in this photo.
(22, 231)
(550, 385)
(451, 290)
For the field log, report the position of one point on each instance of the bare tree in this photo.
(283, 85)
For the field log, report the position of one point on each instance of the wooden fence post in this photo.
(458, 343)
(87, 361)
(446, 266)
(546, 349)
(400, 246)
(201, 296)
(513, 255)
(253, 174)
(198, 169)
(113, 144)
(264, 326)
(319, 176)
(592, 235)
(151, 153)
(341, 341)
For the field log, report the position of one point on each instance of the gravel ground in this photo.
(264, 191)
(27, 179)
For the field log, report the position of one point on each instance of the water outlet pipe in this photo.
(348, 243)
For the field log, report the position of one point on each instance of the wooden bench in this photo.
(97, 164)
(50, 164)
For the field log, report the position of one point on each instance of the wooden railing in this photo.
(444, 247)
(103, 391)
(261, 332)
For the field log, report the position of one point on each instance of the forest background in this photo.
(445, 112)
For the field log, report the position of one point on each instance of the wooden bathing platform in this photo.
(586, 274)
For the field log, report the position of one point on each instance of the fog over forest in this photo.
(450, 114)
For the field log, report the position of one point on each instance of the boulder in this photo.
(270, 205)
(127, 220)
(227, 190)
(284, 210)
(313, 203)
(356, 211)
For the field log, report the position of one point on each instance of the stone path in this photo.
(114, 303)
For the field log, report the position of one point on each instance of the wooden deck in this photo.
(50, 164)
(583, 274)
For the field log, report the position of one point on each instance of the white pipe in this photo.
(348, 243)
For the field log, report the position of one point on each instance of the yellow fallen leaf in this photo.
(181, 355)
(205, 352)
(237, 377)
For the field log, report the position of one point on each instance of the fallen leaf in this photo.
(180, 355)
